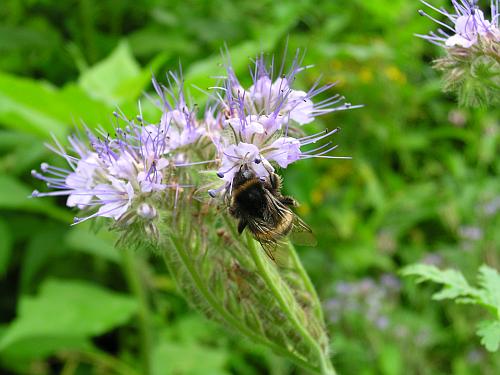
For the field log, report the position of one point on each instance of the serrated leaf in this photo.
(454, 282)
(489, 279)
(65, 308)
(489, 331)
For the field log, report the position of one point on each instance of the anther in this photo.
(44, 167)
(220, 174)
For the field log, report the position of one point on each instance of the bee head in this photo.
(246, 172)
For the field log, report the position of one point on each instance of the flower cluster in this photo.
(261, 124)
(471, 66)
(469, 25)
(127, 176)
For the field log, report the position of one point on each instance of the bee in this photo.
(259, 206)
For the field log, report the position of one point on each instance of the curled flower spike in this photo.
(124, 176)
(262, 123)
(468, 24)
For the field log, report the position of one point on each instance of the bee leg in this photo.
(241, 226)
(289, 201)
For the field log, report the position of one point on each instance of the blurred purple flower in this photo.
(468, 24)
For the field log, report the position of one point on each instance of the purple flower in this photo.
(178, 122)
(236, 156)
(278, 100)
(114, 198)
(468, 24)
(111, 176)
(261, 124)
(284, 151)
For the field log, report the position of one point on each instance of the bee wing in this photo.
(301, 233)
(269, 244)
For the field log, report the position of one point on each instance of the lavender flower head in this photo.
(468, 24)
(127, 176)
(261, 124)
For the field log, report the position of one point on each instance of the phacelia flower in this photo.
(468, 24)
(127, 175)
(261, 125)
(178, 119)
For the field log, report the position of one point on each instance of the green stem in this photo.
(307, 281)
(132, 273)
(325, 365)
(224, 314)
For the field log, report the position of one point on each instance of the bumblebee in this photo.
(259, 206)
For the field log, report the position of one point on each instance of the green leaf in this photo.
(189, 359)
(390, 360)
(454, 282)
(41, 347)
(118, 78)
(456, 287)
(65, 308)
(489, 331)
(39, 108)
(31, 106)
(5, 247)
(81, 238)
(44, 246)
(489, 279)
(14, 195)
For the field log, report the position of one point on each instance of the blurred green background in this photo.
(423, 186)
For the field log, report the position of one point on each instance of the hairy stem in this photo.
(257, 255)
(306, 280)
(223, 314)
